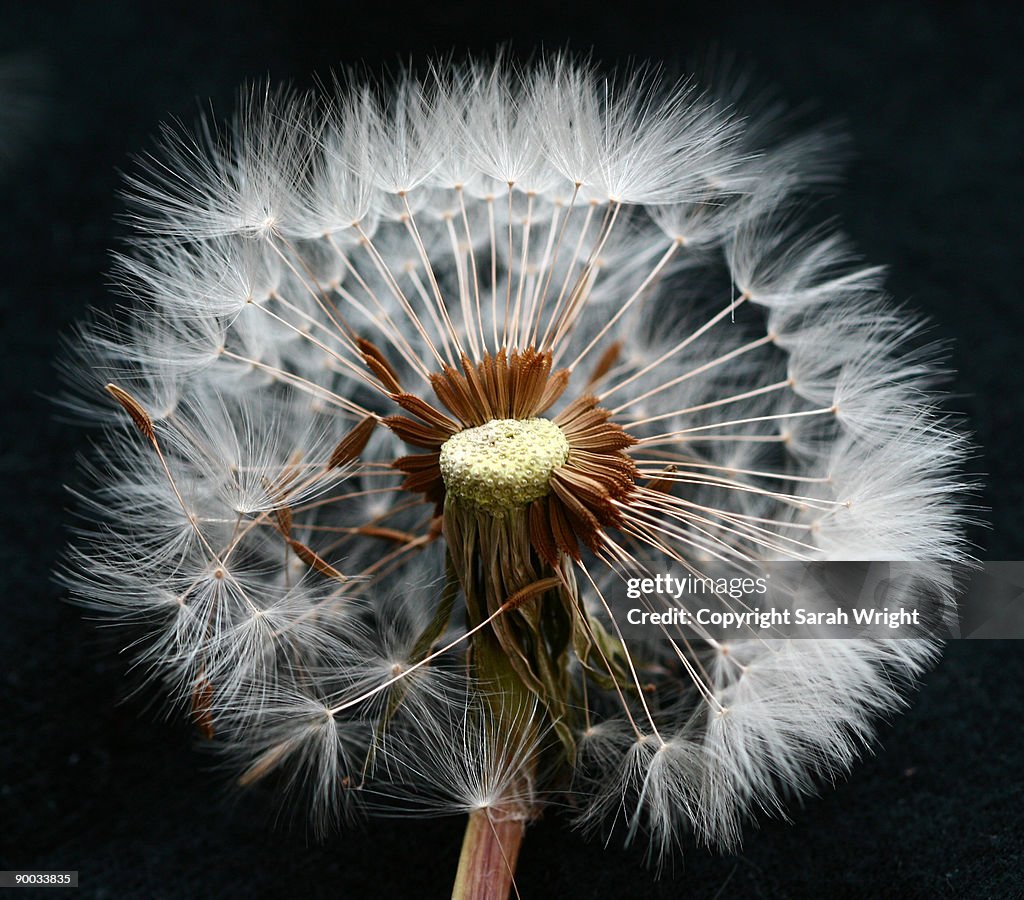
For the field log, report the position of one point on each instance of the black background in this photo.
(91, 780)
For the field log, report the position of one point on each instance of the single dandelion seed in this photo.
(419, 373)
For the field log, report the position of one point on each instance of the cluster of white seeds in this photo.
(286, 600)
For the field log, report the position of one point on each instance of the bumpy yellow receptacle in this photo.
(503, 464)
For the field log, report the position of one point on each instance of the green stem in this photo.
(490, 848)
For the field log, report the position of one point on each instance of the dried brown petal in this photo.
(605, 363)
(379, 365)
(539, 587)
(352, 444)
(312, 559)
(134, 409)
(416, 433)
(283, 515)
(541, 538)
(202, 707)
(423, 410)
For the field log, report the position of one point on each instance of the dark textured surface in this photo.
(91, 780)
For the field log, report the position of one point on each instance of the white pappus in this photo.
(325, 291)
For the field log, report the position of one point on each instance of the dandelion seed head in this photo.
(427, 369)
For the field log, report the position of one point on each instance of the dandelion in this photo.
(412, 377)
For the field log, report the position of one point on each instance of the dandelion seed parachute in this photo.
(336, 305)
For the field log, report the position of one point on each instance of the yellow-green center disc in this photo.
(503, 464)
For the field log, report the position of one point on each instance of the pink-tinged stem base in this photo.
(490, 848)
